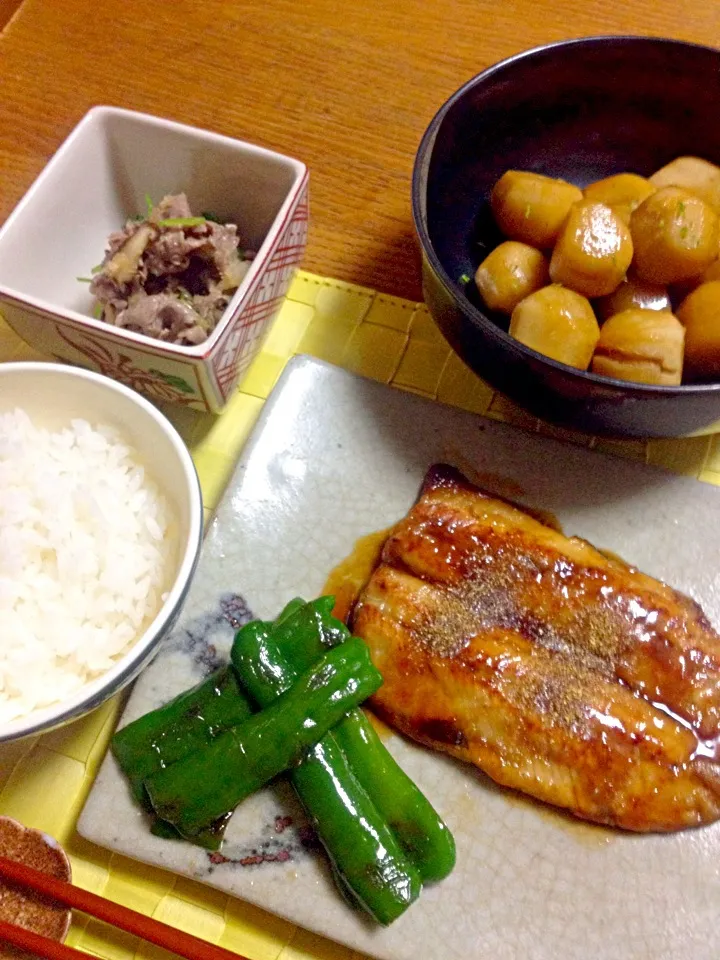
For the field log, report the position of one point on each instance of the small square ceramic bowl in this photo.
(99, 177)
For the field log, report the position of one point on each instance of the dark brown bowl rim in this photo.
(419, 183)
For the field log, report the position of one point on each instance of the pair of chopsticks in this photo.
(161, 934)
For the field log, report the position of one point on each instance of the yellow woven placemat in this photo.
(44, 780)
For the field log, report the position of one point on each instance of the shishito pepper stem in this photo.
(303, 635)
(289, 610)
(357, 839)
(193, 792)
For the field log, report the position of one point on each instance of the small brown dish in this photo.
(23, 907)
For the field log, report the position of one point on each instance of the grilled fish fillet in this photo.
(555, 669)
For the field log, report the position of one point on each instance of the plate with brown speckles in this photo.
(334, 458)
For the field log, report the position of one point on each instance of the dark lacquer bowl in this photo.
(580, 110)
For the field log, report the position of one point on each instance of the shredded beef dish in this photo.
(170, 275)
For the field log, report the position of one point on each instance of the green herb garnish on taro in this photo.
(289, 701)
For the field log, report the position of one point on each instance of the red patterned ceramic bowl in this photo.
(99, 177)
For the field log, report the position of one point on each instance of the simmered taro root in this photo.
(641, 345)
(622, 193)
(681, 290)
(633, 292)
(509, 274)
(635, 247)
(559, 323)
(532, 208)
(693, 174)
(700, 314)
(593, 250)
(712, 272)
(675, 235)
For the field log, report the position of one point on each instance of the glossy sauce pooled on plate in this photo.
(557, 670)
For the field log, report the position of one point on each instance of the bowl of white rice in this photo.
(100, 534)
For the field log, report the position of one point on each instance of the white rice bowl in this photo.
(86, 550)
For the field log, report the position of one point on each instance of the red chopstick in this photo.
(154, 931)
(39, 945)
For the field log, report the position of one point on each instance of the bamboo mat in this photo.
(44, 780)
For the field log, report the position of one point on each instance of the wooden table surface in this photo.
(347, 87)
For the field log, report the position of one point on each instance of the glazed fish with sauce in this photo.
(557, 670)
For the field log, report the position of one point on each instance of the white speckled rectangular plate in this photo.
(335, 457)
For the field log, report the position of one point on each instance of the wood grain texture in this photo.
(8, 9)
(348, 88)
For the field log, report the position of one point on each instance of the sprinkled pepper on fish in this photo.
(555, 669)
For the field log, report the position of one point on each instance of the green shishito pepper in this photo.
(181, 727)
(356, 837)
(198, 789)
(303, 632)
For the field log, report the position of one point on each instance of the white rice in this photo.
(84, 558)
